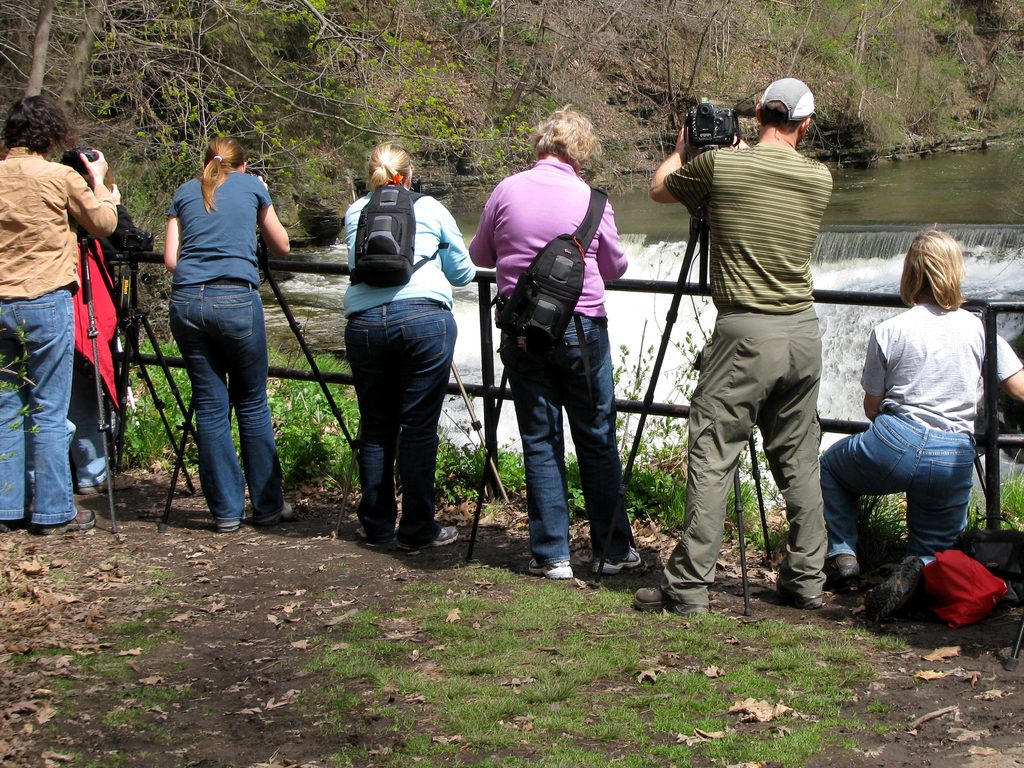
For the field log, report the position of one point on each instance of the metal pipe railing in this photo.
(990, 438)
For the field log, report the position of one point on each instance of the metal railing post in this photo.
(993, 507)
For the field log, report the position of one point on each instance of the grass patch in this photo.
(464, 674)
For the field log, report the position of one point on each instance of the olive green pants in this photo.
(762, 370)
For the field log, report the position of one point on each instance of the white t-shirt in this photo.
(927, 362)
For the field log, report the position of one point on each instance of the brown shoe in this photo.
(653, 599)
(801, 602)
(121, 482)
(83, 521)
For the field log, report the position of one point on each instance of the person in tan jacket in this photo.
(38, 275)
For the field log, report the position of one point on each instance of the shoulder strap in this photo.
(588, 227)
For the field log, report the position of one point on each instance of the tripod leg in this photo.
(698, 227)
(87, 253)
(1011, 663)
(179, 463)
(738, 504)
(488, 462)
(347, 488)
(477, 425)
(756, 472)
(161, 409)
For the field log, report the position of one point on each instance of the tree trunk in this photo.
(83, 54)
(40, 46)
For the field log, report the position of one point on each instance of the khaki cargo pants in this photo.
(765, 370)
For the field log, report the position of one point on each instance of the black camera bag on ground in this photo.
(542, 304)
(385, 247)
(999, 550)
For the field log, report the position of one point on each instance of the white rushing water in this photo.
(847, 259)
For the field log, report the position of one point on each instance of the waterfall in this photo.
(856, 258)
(844, 243)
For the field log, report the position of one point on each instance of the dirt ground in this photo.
(244, 607)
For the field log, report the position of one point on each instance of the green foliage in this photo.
(490, 676)
(13, 376)
(1011, 497)
(881, 530)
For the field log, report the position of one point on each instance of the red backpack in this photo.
(959, 589)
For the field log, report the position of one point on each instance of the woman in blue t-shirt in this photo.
(400, 341)
(216, 318)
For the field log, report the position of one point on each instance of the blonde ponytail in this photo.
(223, 156)
(389, 164)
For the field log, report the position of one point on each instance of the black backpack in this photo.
(1001, 550)
(542, 304)
(386, 238)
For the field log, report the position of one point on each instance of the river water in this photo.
(872, 216)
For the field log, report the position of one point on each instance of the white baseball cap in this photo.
(794, 94)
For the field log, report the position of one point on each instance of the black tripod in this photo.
(699, 234)
(131, 319)
(88, 252)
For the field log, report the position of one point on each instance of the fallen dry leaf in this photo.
(992, 695)
(650, 675)
(453, 616)
(284, 701)
(961, 735)
(982, 751)
(943, 654)
(699, 737)
(758, 711)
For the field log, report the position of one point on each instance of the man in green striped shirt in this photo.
(763, 206)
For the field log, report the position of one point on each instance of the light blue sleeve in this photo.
(351, 226)
(455, 261)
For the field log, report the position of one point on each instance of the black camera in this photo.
(72, 158)
(710, 126)
(135, 240)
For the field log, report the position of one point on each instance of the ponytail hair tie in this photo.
(396, 179)
(218, 158)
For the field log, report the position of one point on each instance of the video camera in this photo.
(135, 240)
(710, 127)
(72, 159)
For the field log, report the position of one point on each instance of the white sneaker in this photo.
(284, 514)
(560, 569)
(611, 567)
(287, 513)
(448, 534)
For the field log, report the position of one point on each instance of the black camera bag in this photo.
(999, 550)
(385, 247)
(541, 305)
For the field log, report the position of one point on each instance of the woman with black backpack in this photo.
(523, 214)
(406, 253)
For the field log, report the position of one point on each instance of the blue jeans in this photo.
(401, 356)
(34, 396)
(897, 454)
(541, 388)
(87, 443)
(221, 334)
